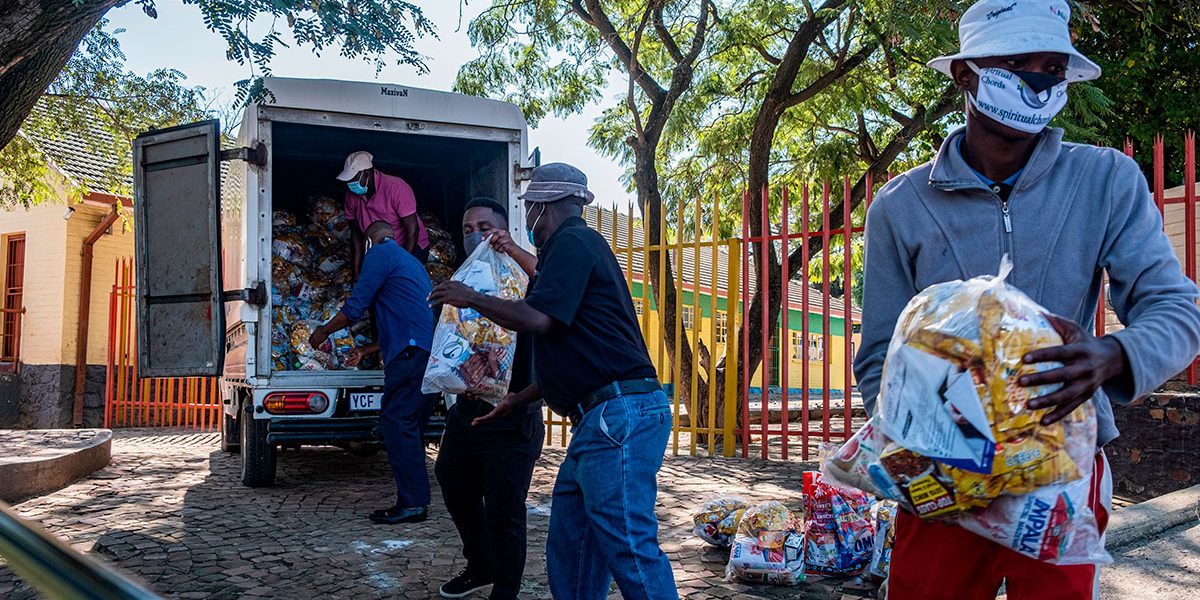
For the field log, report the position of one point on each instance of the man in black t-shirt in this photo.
(484, 470)
(592, 365)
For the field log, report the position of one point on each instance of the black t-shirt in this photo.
(595, 339)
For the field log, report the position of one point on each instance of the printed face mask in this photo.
(1022, 100)
(472, 241)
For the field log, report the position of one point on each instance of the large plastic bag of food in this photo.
(840, 532)
(954, 438)
(884, 513)
(717, 520)
(1053, 524)
(471, 354)
(768, 548)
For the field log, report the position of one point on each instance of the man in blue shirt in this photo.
(394, 285)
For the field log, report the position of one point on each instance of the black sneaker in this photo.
(464, 585)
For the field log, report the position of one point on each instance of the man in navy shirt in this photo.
(394, 286)
(591, 364)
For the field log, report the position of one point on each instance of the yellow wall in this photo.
(658, 354)
(53, 260)
(110, 247)
(45, 256)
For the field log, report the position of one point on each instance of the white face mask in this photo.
(1006, 98)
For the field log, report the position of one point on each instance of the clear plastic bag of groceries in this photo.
(471, 354)
(954, 438)
(768, 548)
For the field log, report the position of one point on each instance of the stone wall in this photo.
(47, 393)
(1159, 448)
(10, 400)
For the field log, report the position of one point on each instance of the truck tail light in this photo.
(290, 403)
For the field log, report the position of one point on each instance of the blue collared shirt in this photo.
(396, 288)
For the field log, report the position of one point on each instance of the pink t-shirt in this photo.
(393, 200)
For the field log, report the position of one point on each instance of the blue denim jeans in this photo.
(602, 522)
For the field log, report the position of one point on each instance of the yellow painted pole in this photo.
(693, 401)
(715, 264)
(676, 366)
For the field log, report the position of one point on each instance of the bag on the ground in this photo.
(471, 354)
(954, 438)
(717, 520)
(768, 548)
(840, 533)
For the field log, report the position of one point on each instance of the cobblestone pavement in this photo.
(170, 509)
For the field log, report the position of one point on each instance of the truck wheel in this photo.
(231, 439)
(258, 456)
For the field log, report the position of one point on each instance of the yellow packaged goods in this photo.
(768, 524)
(471, 354)
(718, 518)
(921, 485)
(959, 440)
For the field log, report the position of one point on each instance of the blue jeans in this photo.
(602, 523)
(404, 414)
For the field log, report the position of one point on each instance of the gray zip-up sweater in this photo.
(1074, 212)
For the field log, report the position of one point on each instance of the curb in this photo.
(53, 469)
(1152, 517)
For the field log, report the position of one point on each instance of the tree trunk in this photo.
(37, 37)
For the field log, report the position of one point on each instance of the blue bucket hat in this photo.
(557, 181)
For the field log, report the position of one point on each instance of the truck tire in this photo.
(258, 456)
(231, 438)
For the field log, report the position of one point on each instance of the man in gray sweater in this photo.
(1065, 214)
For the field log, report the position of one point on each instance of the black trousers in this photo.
(484, 476)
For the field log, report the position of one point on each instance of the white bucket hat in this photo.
(1011, 27)
(356, 163)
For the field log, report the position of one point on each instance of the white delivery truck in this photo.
(204, 246)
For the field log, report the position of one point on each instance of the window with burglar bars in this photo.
(689, 317)
(722, 325)
(637, 306)
(14, 285)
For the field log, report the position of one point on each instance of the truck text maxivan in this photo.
(204, 249)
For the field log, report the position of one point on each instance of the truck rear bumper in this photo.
(332, 432)
(323, 431)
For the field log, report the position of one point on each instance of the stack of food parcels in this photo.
(311, 277)
(954, 439)
(471, 354)
(768, 548)
(841, 533)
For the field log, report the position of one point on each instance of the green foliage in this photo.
(96, 103)
(378, 31)
(1148, 51)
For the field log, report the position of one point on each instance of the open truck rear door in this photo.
(177, 203)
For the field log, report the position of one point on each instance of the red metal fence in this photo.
(132, 401)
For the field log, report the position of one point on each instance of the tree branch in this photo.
(665, 35)
(601, 22)
(831, 76)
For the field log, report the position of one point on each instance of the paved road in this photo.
(1167, 567)
(170, 509)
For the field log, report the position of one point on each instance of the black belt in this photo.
(613, 390)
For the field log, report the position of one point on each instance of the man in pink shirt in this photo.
(374, 196)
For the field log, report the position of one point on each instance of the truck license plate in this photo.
(371, 401)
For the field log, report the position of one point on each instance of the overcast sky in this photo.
(178, 40)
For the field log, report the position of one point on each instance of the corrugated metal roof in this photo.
(602, 219)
